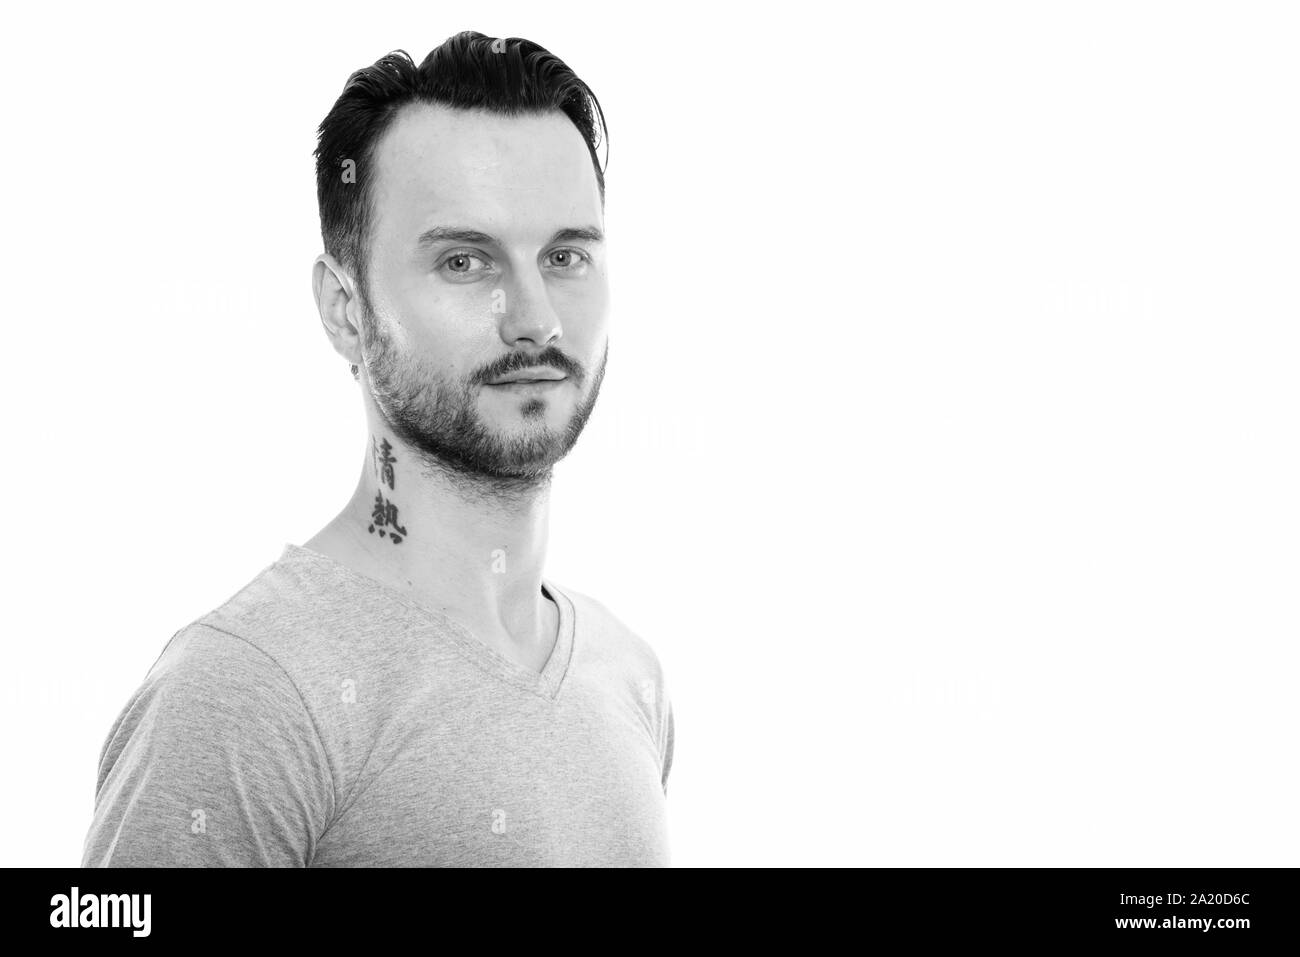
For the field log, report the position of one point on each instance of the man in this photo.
(408, 688)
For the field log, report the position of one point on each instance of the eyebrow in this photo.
(452, 234)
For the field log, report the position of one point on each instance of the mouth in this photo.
(517, 385)
(529, 377)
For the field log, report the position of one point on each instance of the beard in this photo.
(440, 422)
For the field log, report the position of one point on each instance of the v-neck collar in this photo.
(546, 683)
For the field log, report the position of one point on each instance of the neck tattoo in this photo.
(383, 517)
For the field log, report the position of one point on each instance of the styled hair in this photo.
(509, 76)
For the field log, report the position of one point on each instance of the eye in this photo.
(461, 263)
(568, 259)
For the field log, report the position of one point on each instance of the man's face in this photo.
(486, 262)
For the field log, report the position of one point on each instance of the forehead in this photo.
(513, 176)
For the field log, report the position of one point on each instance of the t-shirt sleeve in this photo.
(214, 762)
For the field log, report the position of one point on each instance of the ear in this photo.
(338, 304)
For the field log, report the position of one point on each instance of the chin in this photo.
(529, 413)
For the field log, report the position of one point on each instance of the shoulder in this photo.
(241, 660)
(205, 675)
(598, 625)
(294, 615)
(210, 695)
(282, 599)
(207, 655)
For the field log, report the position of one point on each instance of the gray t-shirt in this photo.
(321, 719)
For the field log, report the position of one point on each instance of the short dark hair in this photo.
(510, 76)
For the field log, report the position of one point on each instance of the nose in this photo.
(529, 315)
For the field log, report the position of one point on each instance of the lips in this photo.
(528, 376)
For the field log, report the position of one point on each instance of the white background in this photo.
(947, 454)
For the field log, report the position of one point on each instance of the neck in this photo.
(468, 549)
